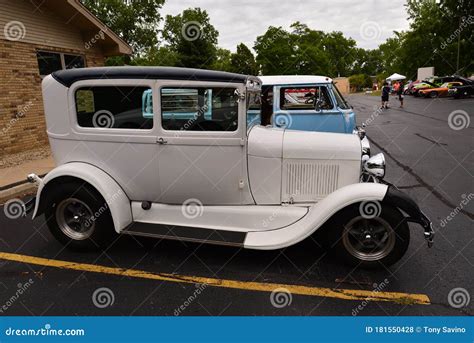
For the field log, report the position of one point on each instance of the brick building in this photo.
(36, 38)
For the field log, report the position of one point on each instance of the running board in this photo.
(185, 233)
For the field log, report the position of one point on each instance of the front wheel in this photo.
(368, 240)
(78, 216)
(433, 94)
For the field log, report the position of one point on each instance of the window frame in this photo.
(61, 58)
(312, 110)
(108, 134)
(241, 108)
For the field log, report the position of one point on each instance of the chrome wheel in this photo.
(368, 239)
(75, 219)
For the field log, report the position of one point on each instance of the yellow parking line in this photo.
(346, 294)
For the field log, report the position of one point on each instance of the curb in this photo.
(17, 191)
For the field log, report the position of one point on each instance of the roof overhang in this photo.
(90, 26)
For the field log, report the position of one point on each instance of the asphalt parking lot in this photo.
(428, 156)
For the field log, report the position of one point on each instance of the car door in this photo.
(201, 143)
(294, 108)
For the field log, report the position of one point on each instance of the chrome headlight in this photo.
(376, 165)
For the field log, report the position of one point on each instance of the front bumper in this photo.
(397, 198)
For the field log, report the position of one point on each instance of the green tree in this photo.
(192, 37)
(223, 60)
(157, 56)
(136, 22)
(360, 81)
(243, 61)
(276, 52)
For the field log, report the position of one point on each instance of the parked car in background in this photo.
(464, 90)
(422, 85)
(308, 103)
(441, 91)
(407, 90)
(209, 178)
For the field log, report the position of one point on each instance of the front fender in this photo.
(402, 201)
(116, 199)
(317, 215)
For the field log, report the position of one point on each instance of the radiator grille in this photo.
(306, 181)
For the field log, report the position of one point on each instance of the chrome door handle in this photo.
(161, 141)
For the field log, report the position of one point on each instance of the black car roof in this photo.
(68, 77)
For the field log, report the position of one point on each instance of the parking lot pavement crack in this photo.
(422, 182)
(429, 139)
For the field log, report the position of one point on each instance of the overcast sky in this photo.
(369, 22)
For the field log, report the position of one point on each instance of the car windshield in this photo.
(341, 102)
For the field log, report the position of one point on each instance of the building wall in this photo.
(342, 83)
(22, 123)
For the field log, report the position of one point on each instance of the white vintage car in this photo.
(132, 164)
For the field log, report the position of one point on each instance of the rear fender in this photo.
(116, 199)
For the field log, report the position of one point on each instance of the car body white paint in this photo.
(277, 185)
(116, 199)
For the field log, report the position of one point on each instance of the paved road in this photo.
(431, 161)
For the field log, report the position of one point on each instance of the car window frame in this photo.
(277, 104)
(103, 134)
(241, 124)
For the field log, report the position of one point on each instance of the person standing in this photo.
(385, 94)
(400, 93)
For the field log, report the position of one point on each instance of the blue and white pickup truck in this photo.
(305, 102)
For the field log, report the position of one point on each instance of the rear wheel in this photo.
(369, 241)
(433, 94)
(78, 216)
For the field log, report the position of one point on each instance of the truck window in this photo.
(117, 107)
(199, 109)
(303, 98)
(341, 102)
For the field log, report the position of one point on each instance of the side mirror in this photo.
(318, 104)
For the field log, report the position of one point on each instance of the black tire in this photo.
(338, 228)
(100, 224)
(433, 94)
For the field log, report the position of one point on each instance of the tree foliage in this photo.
(243, 61)
(136, 22)
(192, 37)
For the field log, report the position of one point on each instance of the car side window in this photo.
(117, 107)
(304, 98)
(199, 109)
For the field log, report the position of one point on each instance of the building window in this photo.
(117, 107)
(49, 62)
